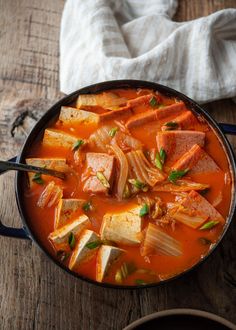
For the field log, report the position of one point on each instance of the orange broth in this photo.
(163, 266)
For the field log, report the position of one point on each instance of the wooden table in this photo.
(35, 293)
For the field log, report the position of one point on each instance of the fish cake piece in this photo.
(176, 143)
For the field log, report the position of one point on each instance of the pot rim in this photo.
(53, 113)
(180, 311)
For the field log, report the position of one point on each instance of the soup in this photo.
(147, 189)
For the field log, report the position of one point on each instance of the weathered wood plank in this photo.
(34, 293)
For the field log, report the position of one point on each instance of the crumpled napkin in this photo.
(132, 39)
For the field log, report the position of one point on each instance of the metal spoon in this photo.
(7, 166)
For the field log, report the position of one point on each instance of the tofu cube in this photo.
(106, 100)
(65, 210)
(60, 236)
(106, 257)
(122, 227)
(69, 115)
(81, 252)
(58, 164)
(57, 138)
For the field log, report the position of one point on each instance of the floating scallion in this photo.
(101, 177)
(171, 125)
(77, 144)
(209, 225)
(93, 245)
(71, 240)
(138, 184)
(144, 210)
(177, 174)
(38, 178)
(153, 102)
(113, 131)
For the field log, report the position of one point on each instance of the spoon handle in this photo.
(7, 166)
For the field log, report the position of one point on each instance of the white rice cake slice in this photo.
(81, 252)
(65, 210)
(61, 235)
(122, 227)
(52, 163)
(69, 115)
(57, 138)
(106, 257)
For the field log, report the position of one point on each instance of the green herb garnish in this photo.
(38, 178)
(138, 184)
(93, 245)
(162, 155)
(126, 192)
(77, 144)
(71, 240)
(175, 175)
(171, 125)
(204, 191)
(153, 102)
(87, 206)
(101, 177)
(62, 255)
(158, 161)
(209, 225)
(204, 241)
(144, 210)
(140, 282)
(124, 271)
(113, 131)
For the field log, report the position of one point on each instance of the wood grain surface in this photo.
(35, 293)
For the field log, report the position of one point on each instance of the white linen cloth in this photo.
(134, 39)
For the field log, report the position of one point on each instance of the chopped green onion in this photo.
(101, 177)
(162, 155)
(113, 131)
(138, 184)
(158, 161)
(140, 282)
(124, 271)
(62, 255)
(126, 192)
(153, 102)
(204, 241)
(209, 225)
(71, 240)
(144, 210)
(205, 191)
(175, 175)
(87, 206)
(171, 125)
(93, 245)
(38, 179)
(77, 144)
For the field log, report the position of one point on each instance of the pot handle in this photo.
(228, 128)
(10, 231)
